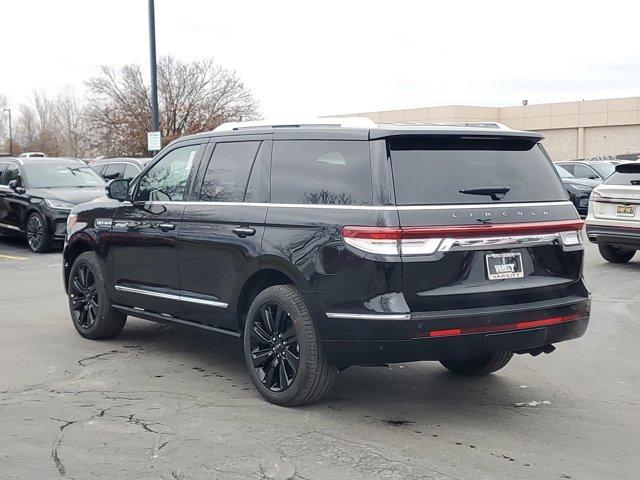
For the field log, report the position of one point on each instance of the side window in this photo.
(569, 167)
(321, 172)
(167, 179)
(228, 172)
(97, 168)
(582, 171)
(130, 172)
(12, 173)
(113, 171)
(3, 166)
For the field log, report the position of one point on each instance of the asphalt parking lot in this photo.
(172, 403)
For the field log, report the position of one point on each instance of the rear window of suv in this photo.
(436, 170)
(625, 175)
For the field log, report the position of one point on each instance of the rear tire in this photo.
(616, 254)
(89, 303)
(282, 350)
(478, 366)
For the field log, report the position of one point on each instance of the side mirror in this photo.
(15, 186)
(117, 189)
(594, 177)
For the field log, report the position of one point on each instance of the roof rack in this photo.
(346, 122)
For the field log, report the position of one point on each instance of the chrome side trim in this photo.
(9, 227)
(366, 207)
(200, 301)
(169, 296)
(454, 244)
(370, 316)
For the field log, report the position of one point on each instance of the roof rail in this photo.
(346, 122)
(497, 125)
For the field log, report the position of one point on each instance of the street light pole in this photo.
(154, 72)
(10, 139)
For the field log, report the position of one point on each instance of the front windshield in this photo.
(563, 173)
(603, 169)
(57, 176)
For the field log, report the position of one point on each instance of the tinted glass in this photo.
(97, 168)
(604, 169)
(50, 175)
(3, 166)
(113, 171)
(228, 171)
(12, 173)
(582, 171)
(167, 179)
(435, 170)
(321, 172)
(619, 178)
(563, 173)
(569, 167)
(130, 172)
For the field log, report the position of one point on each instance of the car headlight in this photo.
(58, 204)
(580, 188)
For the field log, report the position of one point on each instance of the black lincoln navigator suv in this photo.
(338, 243)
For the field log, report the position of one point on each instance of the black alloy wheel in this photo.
(84, 298)
(35, 232)
(274, 348)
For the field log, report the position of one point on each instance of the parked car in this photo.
(614, 214)
(338, 243)
(119, 168)
(37, 194)
(31, 155)
(589, 170)
(579, 189)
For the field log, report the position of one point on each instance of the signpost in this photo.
(154, 82)
(154, 142)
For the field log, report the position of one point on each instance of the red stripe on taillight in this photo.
(373, 233)
(461, 231)
(544, 322)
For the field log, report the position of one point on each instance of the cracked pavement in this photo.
(162, 402)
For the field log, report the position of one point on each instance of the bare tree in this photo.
(194, 97)
(4, 124)
(69, 120)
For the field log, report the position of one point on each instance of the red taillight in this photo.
(543, 322)
(373, 233)
(427, 240)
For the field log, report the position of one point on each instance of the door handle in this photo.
(244, 231)
(165, 227)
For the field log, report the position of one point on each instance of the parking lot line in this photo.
(11, 257)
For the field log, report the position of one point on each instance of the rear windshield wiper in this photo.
(496, 192)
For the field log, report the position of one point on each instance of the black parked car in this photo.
(119, 168)
(330, 245)
(37, 194)
(579, 189)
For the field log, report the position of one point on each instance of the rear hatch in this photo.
(485, 222)
(618, 198)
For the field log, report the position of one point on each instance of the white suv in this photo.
(614, 214)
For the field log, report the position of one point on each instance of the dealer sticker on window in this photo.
(504, 265)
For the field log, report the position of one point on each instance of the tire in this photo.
(89, 304)
(38, 233)
(271, 343)
(478, 366)
(616, 254)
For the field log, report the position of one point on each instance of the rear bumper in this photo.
(614, 235)
(513, 328)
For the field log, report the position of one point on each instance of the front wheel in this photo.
(478, 366)
(282, 350)
(91, 310)
(38, 234)
(616, 254)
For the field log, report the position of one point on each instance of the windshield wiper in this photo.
(496, 192)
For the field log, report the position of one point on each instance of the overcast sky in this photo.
(317, 58)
